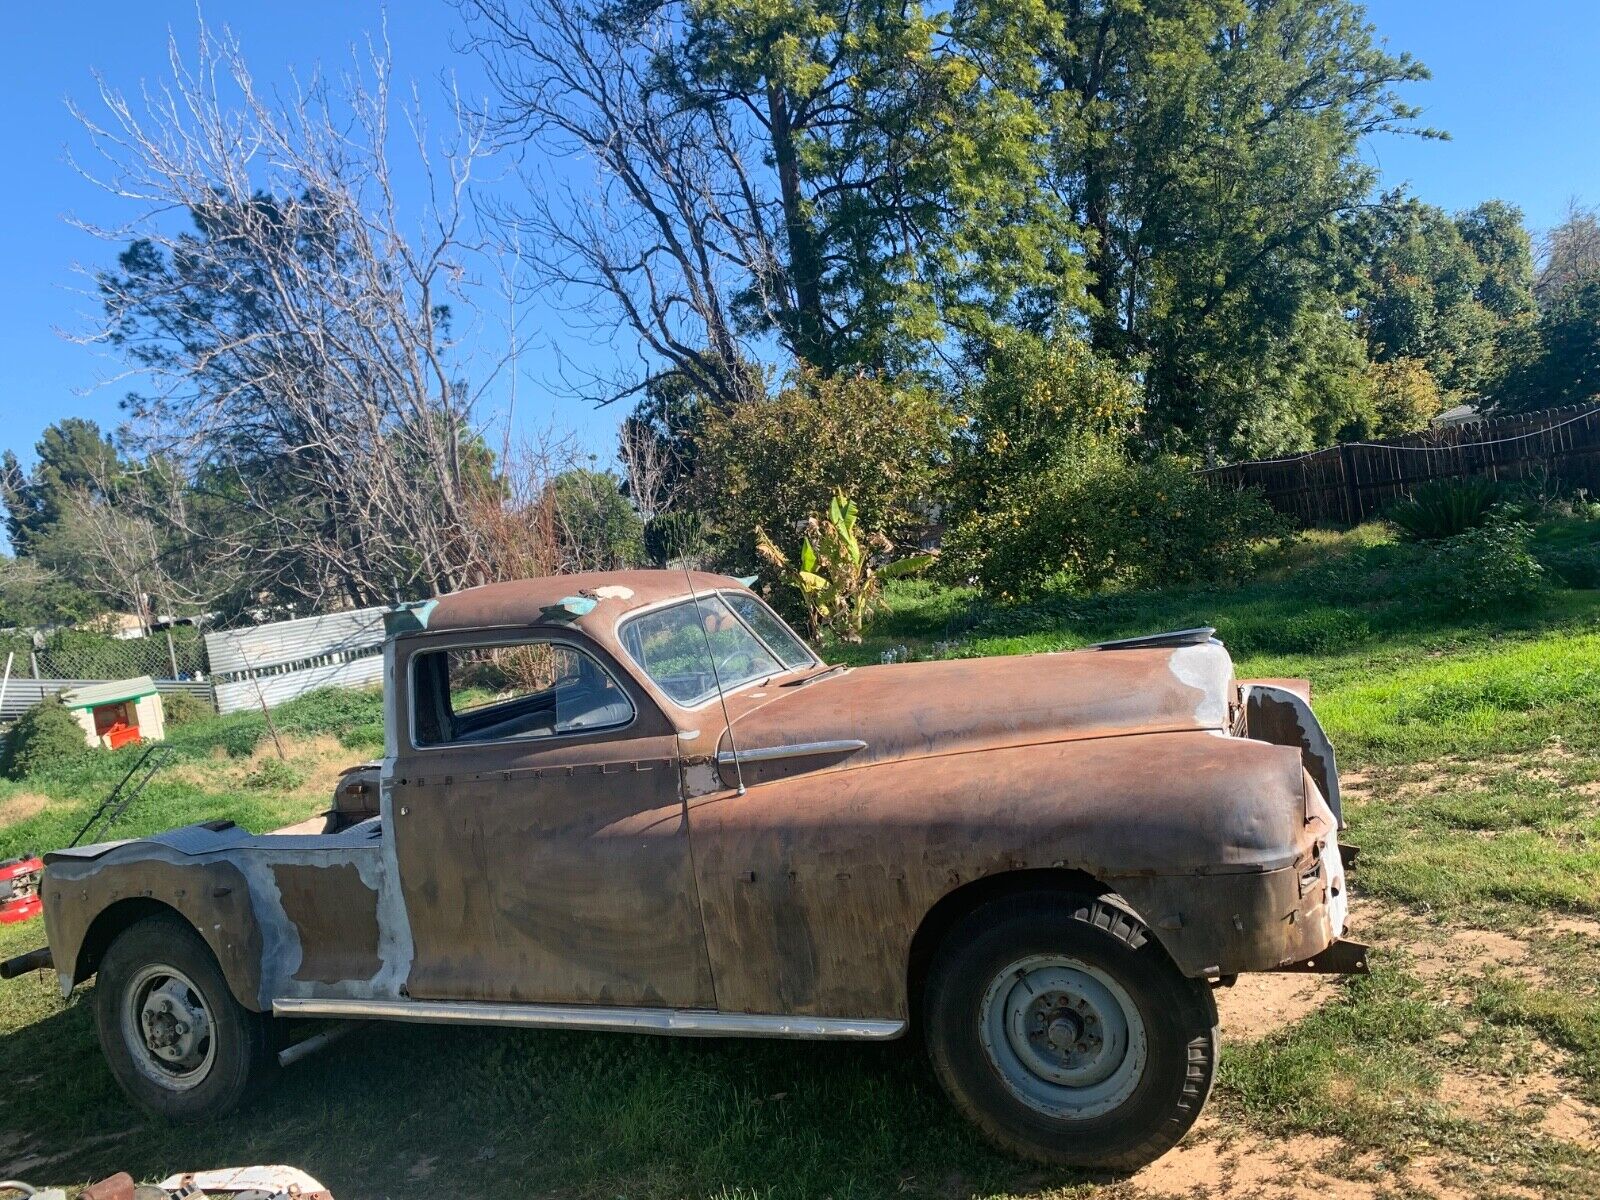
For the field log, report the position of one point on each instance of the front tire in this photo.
(176, 1040)
(1061, 1028)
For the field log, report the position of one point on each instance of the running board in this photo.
(683, 1022)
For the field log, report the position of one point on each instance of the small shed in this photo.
(114, 714)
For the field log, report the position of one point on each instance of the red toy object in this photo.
(19, 889)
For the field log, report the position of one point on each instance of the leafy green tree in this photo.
(1565, 367)
(1209, 149)
(1454, 294)
(597, 528)
(1036, 399)
(907, 182)
(1497, 235)
(74, 456)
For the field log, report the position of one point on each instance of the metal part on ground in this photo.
(317, 1041)
(267, 1183)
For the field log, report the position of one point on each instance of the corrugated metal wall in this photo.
(273, 663)
(23, 694)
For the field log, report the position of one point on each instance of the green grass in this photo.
(1473, 744)
(209, 776)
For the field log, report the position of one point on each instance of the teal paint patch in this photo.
(569, 608)
(749, 581)
(409, 618)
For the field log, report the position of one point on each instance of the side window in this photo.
(511, 690)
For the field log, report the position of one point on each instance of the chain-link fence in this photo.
(178, 653)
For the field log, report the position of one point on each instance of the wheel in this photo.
(1060, 1027)
(177, 1041)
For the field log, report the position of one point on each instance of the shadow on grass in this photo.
(402, 1111)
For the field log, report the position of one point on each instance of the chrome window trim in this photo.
(727, 758)
(470, 642)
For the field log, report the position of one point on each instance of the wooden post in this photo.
(1352, 493)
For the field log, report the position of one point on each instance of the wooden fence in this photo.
(1347, 484)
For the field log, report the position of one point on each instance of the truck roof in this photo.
(525, 601)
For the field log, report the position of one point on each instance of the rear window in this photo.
(512, 691)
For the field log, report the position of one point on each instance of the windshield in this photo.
(687, 649)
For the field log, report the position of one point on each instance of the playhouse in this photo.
(114, 714)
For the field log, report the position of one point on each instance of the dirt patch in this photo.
(18, 808)
(1441, 952)
(1584, 927)
(1541, 1098)
(1258, 1005)
(1224, 1164)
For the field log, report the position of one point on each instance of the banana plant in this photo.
(840, 571)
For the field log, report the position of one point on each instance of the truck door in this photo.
(542, 840)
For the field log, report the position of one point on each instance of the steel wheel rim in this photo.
(1063, 1036)
(168, 1027)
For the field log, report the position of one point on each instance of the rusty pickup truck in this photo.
(637, 801)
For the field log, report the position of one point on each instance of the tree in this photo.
(596, 527)
(1497, 235)
(296, 345)
(1421, 300)
(31, 594)
(842, 177)
(1566, 367)
(73, 455)
(1570, 254)
(1210, 152)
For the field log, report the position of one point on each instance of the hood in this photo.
(908, 710)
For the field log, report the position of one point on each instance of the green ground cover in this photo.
(1470, 1059)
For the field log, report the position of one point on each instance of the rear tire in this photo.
(176, 1040)
(1061, 1028)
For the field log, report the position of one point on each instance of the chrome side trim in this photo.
(687, 1022)
(725, 758)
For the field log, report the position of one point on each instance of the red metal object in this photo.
(19, 890)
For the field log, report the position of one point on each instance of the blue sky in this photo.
(1519, 90)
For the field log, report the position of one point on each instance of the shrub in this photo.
(1483, 569)
(1040, 404)
(1101, 518)
(672, 536)
(1574, 567)
(273, 775)
(1446, 507)
(835, 573)
(44, 737)
(1405, 396)
(181, 708)
(885, 444)
(596, 528)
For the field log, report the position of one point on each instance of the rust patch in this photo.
(337, 919)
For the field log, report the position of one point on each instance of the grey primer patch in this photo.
(1208, 668)
(281, 952)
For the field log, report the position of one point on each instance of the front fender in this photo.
(813, 887)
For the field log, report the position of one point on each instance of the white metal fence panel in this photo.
(237, 694)
(273, 663)
(23, 694)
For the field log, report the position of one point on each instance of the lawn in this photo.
(1468, 1063)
